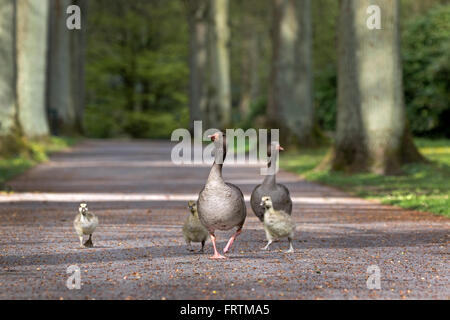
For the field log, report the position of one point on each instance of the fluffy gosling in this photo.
(85, 224)
(277, 224)
(193, 229)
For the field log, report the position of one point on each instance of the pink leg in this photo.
(230, 242)
(216, 255)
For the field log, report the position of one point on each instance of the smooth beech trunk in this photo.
(8, 107)
(78, 58)
(372, 134)
(249, 56)
(219, 92)
(31, 51)
(198, 59)
(290, 105)
(61, 107)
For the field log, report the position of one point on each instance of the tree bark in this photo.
(249, 56)
(8, 107)
(198, 60)
(61, 107)
(219, 93)
(372, 134)
(290, 105)
(31, 46)
(78, 57)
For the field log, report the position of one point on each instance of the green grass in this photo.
(422, 187)
(38, 152)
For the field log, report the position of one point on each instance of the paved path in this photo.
(140, 198)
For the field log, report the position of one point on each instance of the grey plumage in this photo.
(221, 205)
(279, 194)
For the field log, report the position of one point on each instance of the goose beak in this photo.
(214, 136)
(280, 148)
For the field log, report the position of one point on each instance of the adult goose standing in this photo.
(279, 194)
(221, 205)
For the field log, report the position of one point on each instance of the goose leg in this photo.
(189, 246)
(230, 242)
(216, 255)
(81, 241)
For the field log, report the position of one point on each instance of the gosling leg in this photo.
(291, 248)
(89, 243)
(203, 245)
(269, 242)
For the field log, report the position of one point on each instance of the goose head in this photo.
(274, 147)
(192, 206)
(83, 209)
(220, 145)
(266, 202)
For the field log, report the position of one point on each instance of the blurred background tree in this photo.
(137, 71)
(142, 68)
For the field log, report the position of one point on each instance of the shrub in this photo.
(426, 70)
(154, 125)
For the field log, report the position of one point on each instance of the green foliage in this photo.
(136, 69)
(426, 65)
(325, 98)
(156, 125)
(422, 187)
(257, 109)
(426, 56)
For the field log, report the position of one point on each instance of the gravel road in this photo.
(141, 200)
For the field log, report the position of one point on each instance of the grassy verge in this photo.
(423, 187)
(39, 151)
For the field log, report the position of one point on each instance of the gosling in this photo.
(277, 224)
(193, 229)
(85, 223)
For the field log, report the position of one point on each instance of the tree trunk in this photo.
(290, 105)
(219, 104)
(198, 59)
(8, 111)
(372, 134)
(78, 57)
(61, 106)
(249, 57)
(31, 46)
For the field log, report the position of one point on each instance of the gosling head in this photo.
(266, 202)
(192, 206)
(83, 209)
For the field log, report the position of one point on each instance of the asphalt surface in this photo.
(141, 197)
